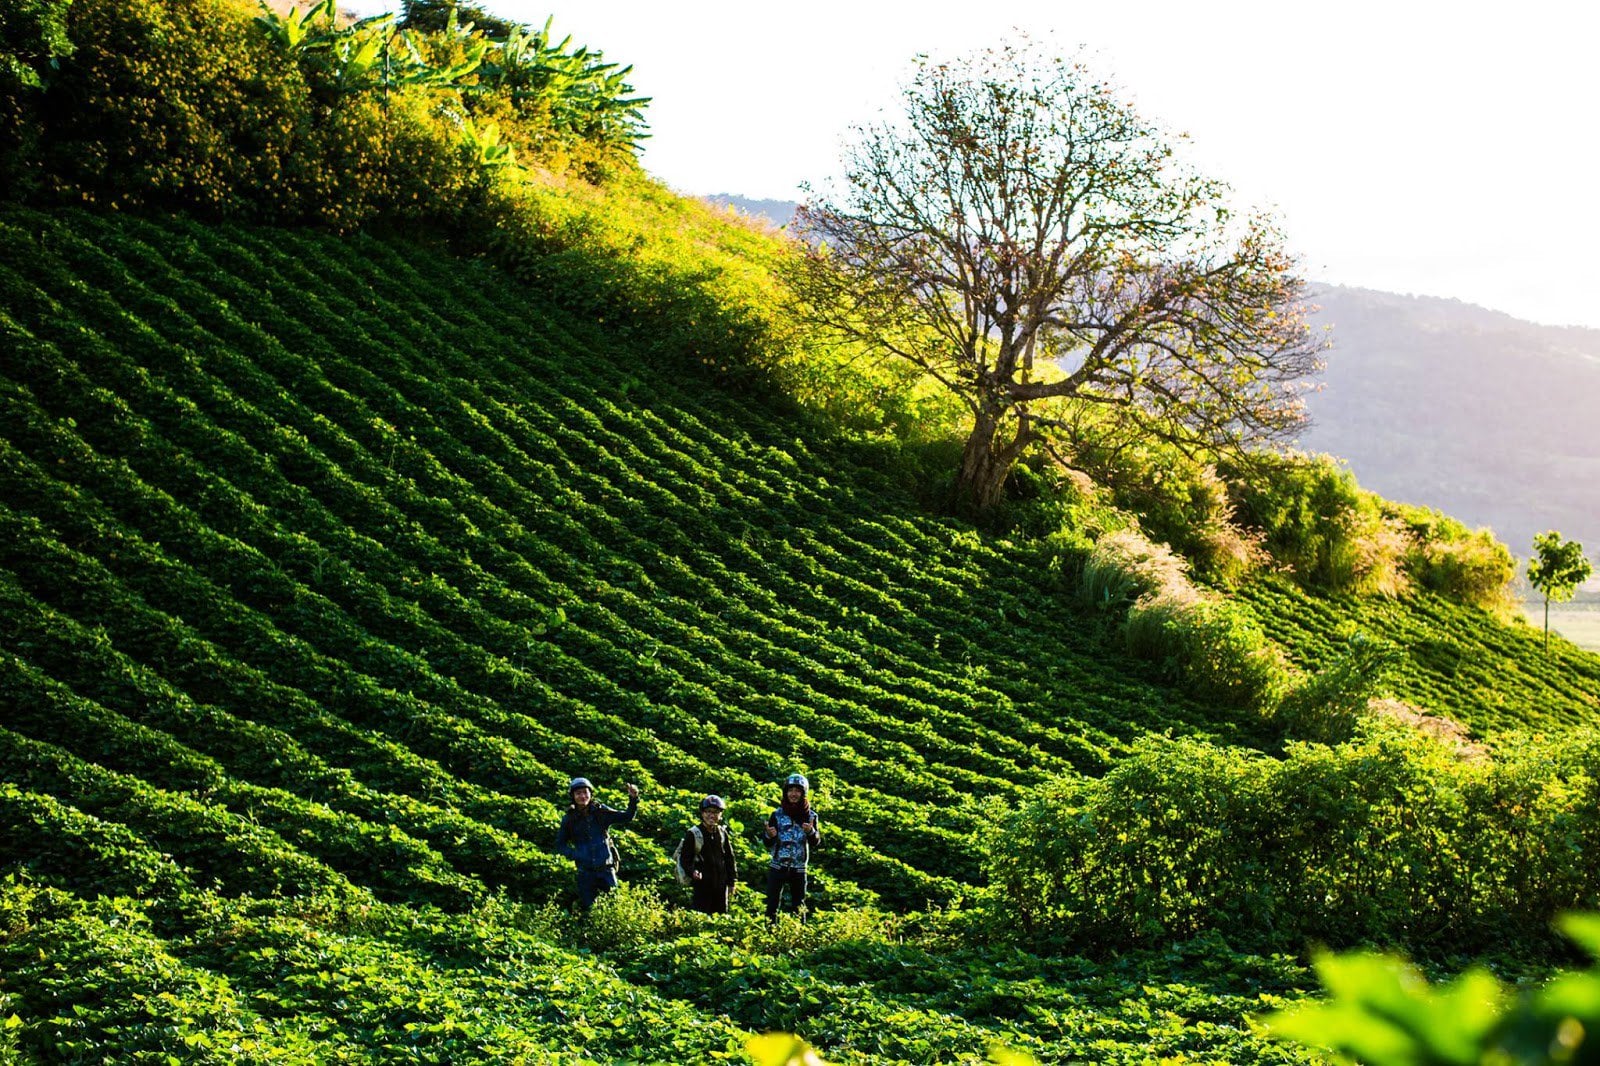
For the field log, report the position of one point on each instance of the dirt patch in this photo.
(1445, 729)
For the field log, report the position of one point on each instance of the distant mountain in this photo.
(778, 212)
(1438, 402)
(1481, 415)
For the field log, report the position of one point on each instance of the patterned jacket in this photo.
(791, 848)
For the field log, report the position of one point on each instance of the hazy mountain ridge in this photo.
(1440, 402)
(1472, 411)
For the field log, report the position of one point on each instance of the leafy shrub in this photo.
(1180, 499)
(189, 105)
(1467, 565)
(198, 105)
(1210, 645)
(1326, 706)
(33, 39)
(1318, 523)
(175, 104)
(625, 917)
(1388, 839)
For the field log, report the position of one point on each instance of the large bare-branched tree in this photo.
(1021, 234)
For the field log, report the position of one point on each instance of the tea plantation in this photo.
(380, 448)
(326, 561)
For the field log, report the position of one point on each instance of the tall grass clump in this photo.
(1201, 640)
(1125, 567)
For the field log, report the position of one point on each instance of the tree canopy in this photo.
(1021, 234)
(1557, 568)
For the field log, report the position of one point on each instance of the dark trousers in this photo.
(593, 880)
(777, 878)
(709, 898)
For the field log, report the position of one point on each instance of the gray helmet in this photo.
(796, 779)
(711, 802)
(577, 783)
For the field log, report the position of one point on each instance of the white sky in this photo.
(1446, 149)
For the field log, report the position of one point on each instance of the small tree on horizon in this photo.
(1557, 568)
(1022, 235)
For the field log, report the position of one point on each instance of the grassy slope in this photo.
(325, 562)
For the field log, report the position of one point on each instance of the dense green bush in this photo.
(1318, 523)
(189, 105)
(33, 40)
(1390, 839)
(1467, 565)
(1326, 706)
(201, 106)
(1211, 646)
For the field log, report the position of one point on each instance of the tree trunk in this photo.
(986, 465)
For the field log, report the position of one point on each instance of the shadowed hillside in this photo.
(1473, 412)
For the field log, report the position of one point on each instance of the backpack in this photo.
(680, 871)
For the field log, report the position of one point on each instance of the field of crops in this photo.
(326, 562)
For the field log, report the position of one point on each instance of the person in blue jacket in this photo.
(792, 831)
(585, 838)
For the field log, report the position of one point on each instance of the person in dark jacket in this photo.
(791, 833)
(585, 838)
(708, 857)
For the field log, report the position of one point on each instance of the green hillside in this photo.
(359, 487)
(327, 561)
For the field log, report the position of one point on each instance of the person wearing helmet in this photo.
(791, 833)
(585, 838)
(707, 856)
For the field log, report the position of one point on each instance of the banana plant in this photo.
(484, 146)
(293, 32)
(367, 54)
(583, 94)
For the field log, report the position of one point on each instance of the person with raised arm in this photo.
(585, 838)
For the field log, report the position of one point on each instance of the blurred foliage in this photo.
(1381, 1011)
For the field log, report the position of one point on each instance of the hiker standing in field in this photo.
(585, 838)
(791, 834)
(706, 855)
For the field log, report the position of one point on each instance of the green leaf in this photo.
(781, 1049)
(1583, 928)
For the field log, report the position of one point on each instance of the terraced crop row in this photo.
(1456, 661)
(366, 508)
(443, 553)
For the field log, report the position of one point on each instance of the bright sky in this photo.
(1438, 148)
